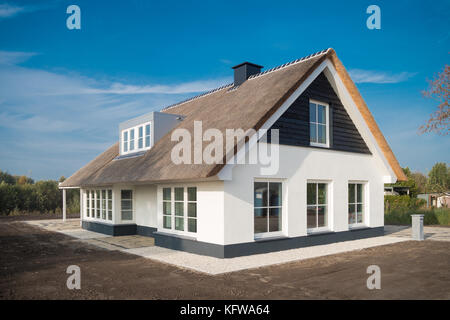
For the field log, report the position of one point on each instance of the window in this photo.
(131, 139)
(125, 141)
(167, 208)
(103, 204)
(136, 138)
(316, 215)
(267, 207)
(99, 204)
(192, 209)
(147, 136)
(318, 124)
(126, 204)
(141, 138)
(87, 203)
(180, 209)
(355, 203)
(97, 199)
(110, 205)
(92, 204)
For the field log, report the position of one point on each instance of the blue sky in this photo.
(63, 92)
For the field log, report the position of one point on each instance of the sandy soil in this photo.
(33, 265)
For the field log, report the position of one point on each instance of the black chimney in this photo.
(244, 70)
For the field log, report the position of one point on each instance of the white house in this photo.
(328, 186)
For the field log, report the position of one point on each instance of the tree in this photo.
(410, 183)
(438, 90)
(6, 178)
(439, 178)
(421, 181)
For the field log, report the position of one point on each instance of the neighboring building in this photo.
(436, 200)
(334, 162)
(396, 191)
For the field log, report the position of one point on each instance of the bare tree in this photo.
(438, 90)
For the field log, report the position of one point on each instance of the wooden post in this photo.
(64, 204)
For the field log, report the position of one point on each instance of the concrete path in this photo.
(144, 247)
(430, 233)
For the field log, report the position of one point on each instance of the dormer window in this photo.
(136, 138)
(319, 124)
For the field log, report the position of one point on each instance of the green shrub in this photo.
(431, 216)
(402, 203)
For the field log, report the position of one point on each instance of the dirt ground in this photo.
(33, 265)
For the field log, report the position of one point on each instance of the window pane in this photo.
(109, 194)
(167, 223)
(351, 193)
(125, 146)
(275, 194)
(109, 214)
(312, 132)
(192, 225)
(274, 219)
(192, 194)
(166, 208)
(140, 143)
(127, 215)
(351, 214)
(132, 134)
(179, 223)
(166, 194)
(311, 193)
(147, 135)
(359, 192)
(141, 132)
(179, 194)
(260, 194)
(126, 194)
(322, 216)
(360, 217)
(179, 208)
(359, 212)
(312, 112)
(311, 217)
(260, 220)
(322, 133)
(192, 209)
(322, 189)
(126, 205)
(321, 115)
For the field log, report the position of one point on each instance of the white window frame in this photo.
(325, 228)
(133, 209)
(91, 205)
(172, 229)
(136, 138)
(272, 234)
(364, 203)
(327, 119)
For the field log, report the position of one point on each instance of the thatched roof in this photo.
(248, 106)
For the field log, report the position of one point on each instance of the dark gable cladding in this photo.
(293, 124)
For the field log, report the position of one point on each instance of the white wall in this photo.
(297, 165)
(210, 211)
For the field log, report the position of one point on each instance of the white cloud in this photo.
(188, 87)
(8, 10)
(14, 57)
(371, 76)
(67, 119)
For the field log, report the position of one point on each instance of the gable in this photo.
(293, 124)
